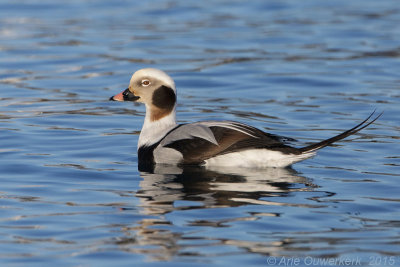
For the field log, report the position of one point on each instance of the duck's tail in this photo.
(314, 147)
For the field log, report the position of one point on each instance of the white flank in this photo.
(256, 158)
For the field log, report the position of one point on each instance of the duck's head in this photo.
(154, 88)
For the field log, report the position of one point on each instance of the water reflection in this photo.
(215, 187)
(172, 189)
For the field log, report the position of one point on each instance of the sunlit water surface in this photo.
(70, 190)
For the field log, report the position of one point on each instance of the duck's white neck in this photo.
(154, 130)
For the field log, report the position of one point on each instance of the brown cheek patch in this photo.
(163, 100)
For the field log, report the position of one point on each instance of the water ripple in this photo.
(71, 191)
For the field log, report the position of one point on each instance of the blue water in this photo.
(70, 191)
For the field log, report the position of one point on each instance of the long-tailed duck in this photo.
(209, 143)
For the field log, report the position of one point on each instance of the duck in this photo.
(208, 143)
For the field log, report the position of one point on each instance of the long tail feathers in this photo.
(313, 147)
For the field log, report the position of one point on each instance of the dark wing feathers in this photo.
(195, 150)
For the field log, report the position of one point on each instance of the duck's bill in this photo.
(125, 95)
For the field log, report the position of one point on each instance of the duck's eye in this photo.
(145, 82)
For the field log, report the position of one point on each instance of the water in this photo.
(71, 194)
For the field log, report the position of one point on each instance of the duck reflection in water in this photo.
(216, 186)
(170, 190)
